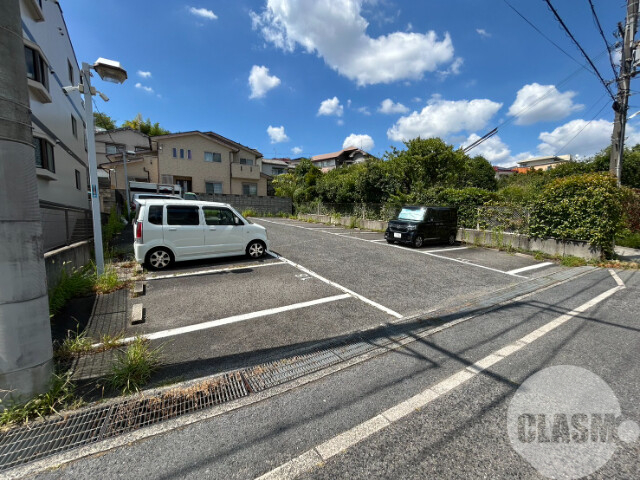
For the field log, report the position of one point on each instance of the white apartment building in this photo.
(58, 123)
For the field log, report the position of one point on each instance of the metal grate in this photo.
(42, 439)
(280, 371)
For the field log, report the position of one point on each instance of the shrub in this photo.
(78, 283)
(581, 207)
(467, 201)
(249, 213)
(113, 227)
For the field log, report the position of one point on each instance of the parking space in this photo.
(319, 282)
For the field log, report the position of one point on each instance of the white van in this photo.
(176, 230)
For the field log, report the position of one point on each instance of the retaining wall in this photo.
(484, 238)
(273, 205)
(67, 258)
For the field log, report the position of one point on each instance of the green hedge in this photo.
(582, 207)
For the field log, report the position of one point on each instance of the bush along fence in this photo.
(573, 212)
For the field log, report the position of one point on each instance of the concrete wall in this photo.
(51, 120)
(550, 246)
(485, 238)
(67, 259)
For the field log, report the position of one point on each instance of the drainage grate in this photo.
(42, 439)
(281, 371)
(354, 350)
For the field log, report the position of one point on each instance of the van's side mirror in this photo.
(237, 221)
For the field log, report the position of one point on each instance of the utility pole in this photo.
(26, 355)
(621, 104)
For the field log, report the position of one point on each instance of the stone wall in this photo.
(68, 258)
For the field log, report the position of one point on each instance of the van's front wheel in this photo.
(255, 249)
(159, 259)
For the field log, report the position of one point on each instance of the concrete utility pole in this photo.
(624, 80)
(26, 356)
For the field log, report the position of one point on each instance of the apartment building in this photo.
(57, 121)
(201, 162)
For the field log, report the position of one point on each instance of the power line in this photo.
(597, 20)
(584, 54)
(545, 36)
(586, 125)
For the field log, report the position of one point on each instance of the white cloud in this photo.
(493, 148)
(540, 103)
(144, 74)
(337, 32)
(203, 13)
(364, 142)
(261, 82)
(364, 111)
(331, 106)
(483, 33)
(144, 87)
(296, 150)
(387, 106)
(453, 69)
(277, 134)
(443, 117)
(579, 137)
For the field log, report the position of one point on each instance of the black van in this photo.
(416, 225)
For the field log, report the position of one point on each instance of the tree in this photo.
(145, 126)
(104, 121)
(479, 173)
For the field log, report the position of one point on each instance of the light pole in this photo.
(110, 71)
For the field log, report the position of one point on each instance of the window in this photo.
(182, 153)
(167, 179)
(155, 214)
(218, 216)
(249, 188)
(36, 67)
(175, 152)
(246, 161)
(178, 215)
(141, 149)
(277, 171)
(212, 157)
(71, 75)
(44, 154)
(213, 187)
(74, 126)
(78, 180)
(112, 148)
(189, 154)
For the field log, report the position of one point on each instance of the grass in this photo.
(73, 345)
(108, 282)
(76, 284)
(111, 341)
(571, 261)
(631, 240)
(61, 395)
(133, 368)
(249, 213)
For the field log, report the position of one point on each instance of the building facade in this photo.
(58, 123)
(344, 157)
(276, 166)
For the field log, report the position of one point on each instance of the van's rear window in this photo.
(412, 214)
(155, 214)
(182, 215)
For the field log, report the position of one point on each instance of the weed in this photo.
(249, 213)
(111, 341)
(76, 284)
(538, 255)
(571, 261)
(353, 222)
(108, 282)
(61, 394)
(73, 345)
(134, 367)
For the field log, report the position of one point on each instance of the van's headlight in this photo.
(411, 227)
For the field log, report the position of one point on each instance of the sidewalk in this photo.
(628, 254)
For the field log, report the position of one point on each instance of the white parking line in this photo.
(448, 249)
(214, 270)
(341, 442)
(172, 332)
(378, 242)
(530, 267)
(616, 277)
(338, 286)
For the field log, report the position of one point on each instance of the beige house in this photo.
(200, 162)
(109, 147)
(545, 163)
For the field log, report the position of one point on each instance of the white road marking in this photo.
(616, 277)
(380, 240)
(465, 262)
(530, 267)
(215, 270)
(338, 286)
(236, 318)
(448, 249)
(341, 442)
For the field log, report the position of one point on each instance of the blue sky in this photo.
(304, 77)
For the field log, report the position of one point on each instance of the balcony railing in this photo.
(239, 170)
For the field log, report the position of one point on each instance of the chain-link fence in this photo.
(365, 211)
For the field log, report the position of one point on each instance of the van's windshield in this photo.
(416, 214)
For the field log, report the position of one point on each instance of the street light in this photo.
(110, 71)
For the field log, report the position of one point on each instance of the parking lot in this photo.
(319, 282)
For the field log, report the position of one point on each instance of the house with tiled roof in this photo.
(346, 156)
